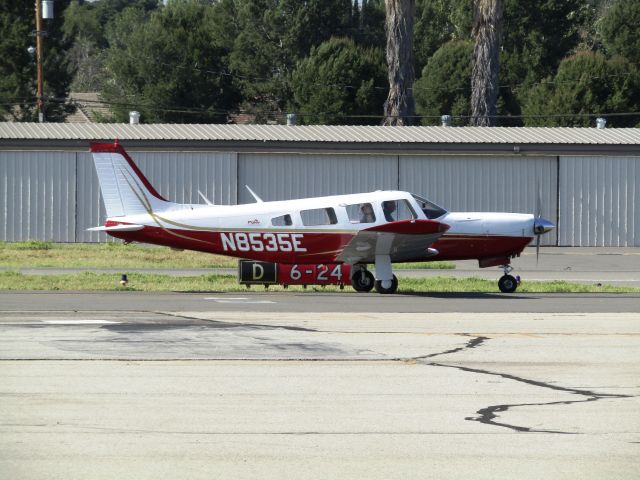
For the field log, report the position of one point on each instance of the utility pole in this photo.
(39, 34)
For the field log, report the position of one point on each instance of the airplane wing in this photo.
(403, 241)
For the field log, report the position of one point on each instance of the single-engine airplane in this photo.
(338, 235)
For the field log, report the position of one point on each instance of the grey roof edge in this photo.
(315, 134)
(283, 147)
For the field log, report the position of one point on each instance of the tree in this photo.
(537, 36)
(168, 65)
(370, 30)
(272, 36)
(89, 20)
(400, 106)
(339, 84)
(620, 29)
(18, 67)
(445, 84)
(487, 29)
(437, 22)
(586, 84)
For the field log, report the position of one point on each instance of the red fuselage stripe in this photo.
(313, 247)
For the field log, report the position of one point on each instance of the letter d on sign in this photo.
(258, 271)
(251, 272)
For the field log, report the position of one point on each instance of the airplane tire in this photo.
(362, 281)
(507, 284)
(391, 289)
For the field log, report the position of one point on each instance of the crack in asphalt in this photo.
(489, 414)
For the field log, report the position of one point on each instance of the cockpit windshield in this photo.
(430, 209)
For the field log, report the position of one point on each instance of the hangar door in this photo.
(37, 196)
(288, 176)
(484, 183)
(600, 201)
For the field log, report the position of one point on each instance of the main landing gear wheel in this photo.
(507, 284)
(389, 288)
(363, 281)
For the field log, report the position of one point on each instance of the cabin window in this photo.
(318, 216)
(395, 210)
(430, 209)
(361, 213)
(282, 221)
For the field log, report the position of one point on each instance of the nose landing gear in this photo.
(508, 283)
(387, 286)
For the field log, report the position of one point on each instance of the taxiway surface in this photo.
(257, 385)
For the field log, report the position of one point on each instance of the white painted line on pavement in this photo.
(226, 298)
(78, 322)
(240, 300)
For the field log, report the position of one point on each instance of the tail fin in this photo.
(125, 190)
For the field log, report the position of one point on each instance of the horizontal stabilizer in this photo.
(116, 228)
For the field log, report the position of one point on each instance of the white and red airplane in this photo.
(333, 238)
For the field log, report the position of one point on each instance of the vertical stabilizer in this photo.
(125, 190)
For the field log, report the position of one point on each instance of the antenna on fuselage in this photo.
(209, 202)
(253, 194)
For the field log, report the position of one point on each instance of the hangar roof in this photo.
(350, 138)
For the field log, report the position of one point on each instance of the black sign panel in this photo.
(252, 272)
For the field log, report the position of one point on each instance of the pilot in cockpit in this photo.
(366, 213)
(388, 208)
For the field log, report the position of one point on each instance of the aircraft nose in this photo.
(542, 225)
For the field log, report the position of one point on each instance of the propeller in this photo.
(540, 225)
(537, 219)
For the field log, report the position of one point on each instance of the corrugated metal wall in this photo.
(489, 184)
(55, 196)
(37, 196)
(176, 175)
(287, 176)
(600, 201)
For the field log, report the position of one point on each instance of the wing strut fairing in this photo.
(403, 241)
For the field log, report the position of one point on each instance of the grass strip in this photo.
(146, 282)
(38, 254)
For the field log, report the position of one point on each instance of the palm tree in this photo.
(487, 29)
(400, 106)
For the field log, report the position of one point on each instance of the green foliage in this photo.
(168, 65)
(272, 37)
(88, 20)
(586, 83)
(620, 28)
(18, 87)
(370, 27)
(340, 81)
(536, 37)
(445, 84)
(85, 24)
(437, 22)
